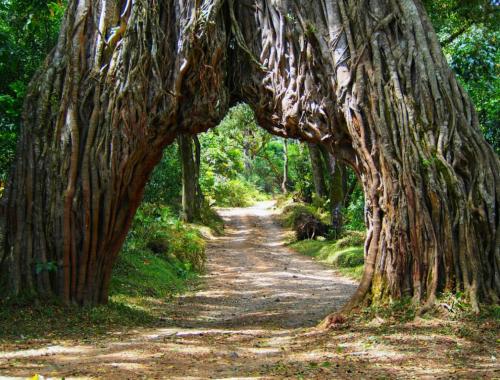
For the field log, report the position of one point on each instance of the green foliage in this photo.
(231, 170)
(236, 193)
(354, 213)
(165, 186)
(469, 33)
(155, 223)
(211, 219)
(28, 31)
(351, 238)
(349, 260)
(475, 58)
(299, 173)
(292, 211)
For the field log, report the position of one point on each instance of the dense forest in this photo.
(116, 174)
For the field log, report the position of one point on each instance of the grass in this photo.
(346, 254)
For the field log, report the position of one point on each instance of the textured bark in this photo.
(367, 79)
(124, 78)
(317, 170)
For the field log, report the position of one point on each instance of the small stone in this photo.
(277, 300)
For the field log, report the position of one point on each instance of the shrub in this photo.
(293, 211)
(307, 226)
(236, 193)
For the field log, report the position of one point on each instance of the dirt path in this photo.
(255, 281)
(250, 319)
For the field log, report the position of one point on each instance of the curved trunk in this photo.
(123, 79)
(369, 80)
(365, 78)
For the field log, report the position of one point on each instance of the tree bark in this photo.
(367, 79)
(336, 189)
(284, 183)
(370, 82)
(123, 80)
(317, 170)
(190, 173)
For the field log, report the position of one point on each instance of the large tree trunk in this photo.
(369, 80)
(365, 78)
(124, 77)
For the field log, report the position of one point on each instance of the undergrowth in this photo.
(235, 193)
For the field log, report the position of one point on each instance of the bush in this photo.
(354, 214)
(236, 193)
(292, 212)
(157, 230)
(308, 226)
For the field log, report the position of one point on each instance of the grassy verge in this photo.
(162, 257)
(347, 259)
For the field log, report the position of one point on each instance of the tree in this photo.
(468, 31)
(28, 31)
(321, 158)
(337, 188)
(317, 170)
(189, 149)
(284, 182)
(366, 79)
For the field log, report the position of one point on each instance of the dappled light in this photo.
(250, 318)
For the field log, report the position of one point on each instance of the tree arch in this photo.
(367, 79)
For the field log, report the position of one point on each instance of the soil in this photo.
(253, 317)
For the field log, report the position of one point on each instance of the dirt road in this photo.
(251, 319)
(255, 281)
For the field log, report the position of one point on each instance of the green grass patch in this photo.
(347, 259)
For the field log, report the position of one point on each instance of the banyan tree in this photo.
(366, 79)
